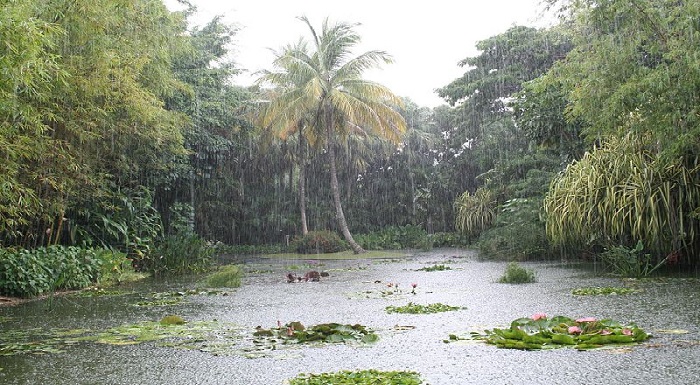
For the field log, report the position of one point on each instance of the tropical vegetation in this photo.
(121, 128)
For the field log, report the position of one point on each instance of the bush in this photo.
(396, 238)
(226, 276)
(630, 263)
(517, 274)
(519, 233)
(319, 242)
(28, 273)
(116, 268)
(179, 255)
(448, 240)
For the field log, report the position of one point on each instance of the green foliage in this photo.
(319, 242)
(541, 332)
(361, 377)
(624, 191)
(517, 274)
(179, 254)
(602, 291)
(474, 213)
(172, 320)
(632, 71)
(27, 273)
(445, 239)
(518, 234)
(630, 263)
(396, 238)
(295, 332)
(115, 268)
(225, 276)
(435, 268)
(414, 308)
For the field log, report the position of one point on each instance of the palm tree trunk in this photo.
(302, 186)
(339, 215)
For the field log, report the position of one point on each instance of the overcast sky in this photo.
(425, 38)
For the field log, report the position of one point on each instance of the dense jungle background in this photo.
(120, 130)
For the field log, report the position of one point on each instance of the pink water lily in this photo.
(539, 316)
(574, 330)
(605, 332)
(627, 332)
(586, 319)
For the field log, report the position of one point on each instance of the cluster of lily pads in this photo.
(440, 267)
(296, 332)
(361, 377)
(542, 332)
(602, 291)
(414, 308)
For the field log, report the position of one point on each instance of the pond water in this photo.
(357, 292)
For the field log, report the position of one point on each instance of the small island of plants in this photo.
(362, 377)
(542, 332)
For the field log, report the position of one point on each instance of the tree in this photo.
(328, 87)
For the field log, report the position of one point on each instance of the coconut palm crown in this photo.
(318, 87)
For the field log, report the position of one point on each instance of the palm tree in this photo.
(323, 87)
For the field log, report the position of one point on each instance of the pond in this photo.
(217, 346)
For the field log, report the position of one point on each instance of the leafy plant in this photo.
(435, 268)
(362, 377)
(630, 263)
(179, 254)
(396, 238)
(27, 273)
(541, 332)
(226, 276)
(115, 268)
(295, 332)
(602, 291)
(517, 274)
(413, 308)
(474, 213)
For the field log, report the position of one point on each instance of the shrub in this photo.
(448, 240)
(396, 238)
(179, 255)
(517, 274)
(226, 276)
(630, 263)
(518, 234)
(319, 242)
(116, 268)
(28, 273)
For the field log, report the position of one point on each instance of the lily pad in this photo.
(541, 332)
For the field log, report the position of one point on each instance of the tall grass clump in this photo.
(226, 276)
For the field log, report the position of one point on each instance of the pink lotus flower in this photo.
(627, 332)
(586, 319)
(574, 330)
(539, 316)
(605, 332)
(290, 331)
(413, 285)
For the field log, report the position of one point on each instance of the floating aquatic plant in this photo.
(542, 332)
(295, 332)
(435, 268)
(603, 291)
(362, 377)
(413, 308)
